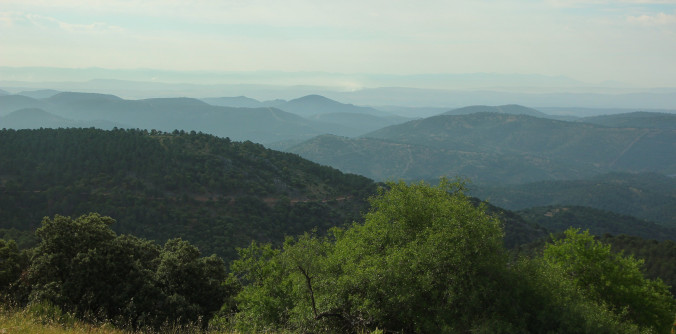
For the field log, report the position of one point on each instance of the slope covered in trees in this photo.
(648, 196)
(213, 192)
(638, 119)
(512, 109)
(492, 148)
(598, 222)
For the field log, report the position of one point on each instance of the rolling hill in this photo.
(638, 119)
(39, 94)
(235, 101)
(316, 104)
(260, 124)
(34, 118)
(496, 148)
(648, 196)
(598, 222)
(511, 109)
(388, 160)
(166, 114)
(216, 193)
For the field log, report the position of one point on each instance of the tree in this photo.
(422, 261)
(613, 279)
(82, 266)
(12, 263)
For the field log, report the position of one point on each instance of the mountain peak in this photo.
(512, 109)
(74, 96)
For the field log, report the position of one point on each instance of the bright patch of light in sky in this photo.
(632, 41)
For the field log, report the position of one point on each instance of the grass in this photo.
(44, 318)
(27, 321)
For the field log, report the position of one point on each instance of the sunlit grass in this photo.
(26, 321)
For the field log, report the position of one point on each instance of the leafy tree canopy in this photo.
(613, 279)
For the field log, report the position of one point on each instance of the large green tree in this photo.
(423, 260)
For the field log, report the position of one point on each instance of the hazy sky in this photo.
(632, 41)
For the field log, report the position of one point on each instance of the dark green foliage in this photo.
(12, 263)
(82, 266)
(213, 192)
(24, 239)
(659, 256)
(613, 279)
(540, 298)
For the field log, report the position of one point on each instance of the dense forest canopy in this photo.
(214, 192)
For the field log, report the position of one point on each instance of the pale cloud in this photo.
(579, 3)
(18, 20)
(584, 39)
(651, 20)
(47, 22)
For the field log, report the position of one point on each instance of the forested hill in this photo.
(216, 193)
(495, 148)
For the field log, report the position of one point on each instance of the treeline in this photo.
(424, 259)
(84, 268)
(216, 193)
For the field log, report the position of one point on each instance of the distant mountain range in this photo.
(260, 124)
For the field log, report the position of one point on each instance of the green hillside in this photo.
(639, 119)
(216, 193)
(492, 148)
(647, 196)
(598, 222)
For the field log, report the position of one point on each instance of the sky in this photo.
(594, 41)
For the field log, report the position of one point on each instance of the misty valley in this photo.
(237, 215)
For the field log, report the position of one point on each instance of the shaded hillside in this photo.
(216, 193)
(359, 123)
(34, 118)
(167, 114)
(490, 147)
(39, 94)
(598, 222)
(317, 104)
(512, 109)
(494, 148)
(236, 101)
(262, 124)
(388, 160)
(10, 103)
(518, 231)
(647, 196)
(639, 119)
